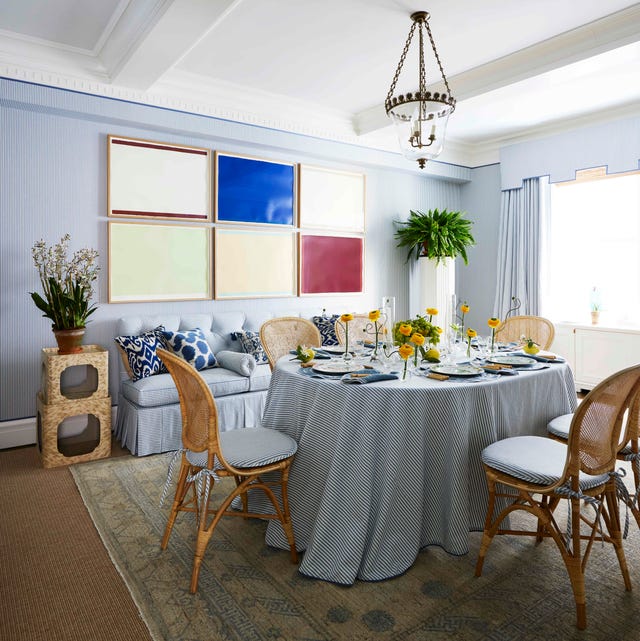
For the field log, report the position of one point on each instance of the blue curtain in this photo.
(518, 265)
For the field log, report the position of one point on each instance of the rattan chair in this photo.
(539, 472)
(540, 329)
(280, 335)
(559, 427)
(358, 330)
(244, 454)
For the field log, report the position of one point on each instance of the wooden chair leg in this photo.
(615, 532)
(182, 488)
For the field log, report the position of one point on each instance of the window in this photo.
(592, 241)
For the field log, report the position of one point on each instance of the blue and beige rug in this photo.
(250, 592)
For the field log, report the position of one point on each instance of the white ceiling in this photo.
(519, 68)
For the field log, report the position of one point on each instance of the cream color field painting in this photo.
(254, 263)
(158, 262)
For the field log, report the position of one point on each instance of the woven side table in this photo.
(56, 403)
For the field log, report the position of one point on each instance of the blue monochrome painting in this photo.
(254, 191)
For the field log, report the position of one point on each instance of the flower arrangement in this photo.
(405, 331)
(375, 316)
(464, 310)
(304, 354)
(67, 284)
(493, 324)
(405, 350)
(345, 319)
(418, 341)
(471, 333)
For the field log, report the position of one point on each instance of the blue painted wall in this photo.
(53, 173)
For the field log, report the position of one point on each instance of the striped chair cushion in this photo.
(560, 425)
(250, 447)
(534, 459)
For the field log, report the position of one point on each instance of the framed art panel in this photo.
(157, 180)
(254, 263)
(156, 262)
(254, 191)
(331, 199)
(331, 264)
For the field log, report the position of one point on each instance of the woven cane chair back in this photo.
(280, 335)
(358, 329)
(538, 328)
(199, 413)
(594, 435)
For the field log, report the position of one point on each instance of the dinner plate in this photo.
(337, 368)
(332, 349)
(515, 361)
(456, 370)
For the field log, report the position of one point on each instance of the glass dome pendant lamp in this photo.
(420, 117)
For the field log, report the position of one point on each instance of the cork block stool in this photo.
(57, 403)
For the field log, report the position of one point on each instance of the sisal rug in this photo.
(250, 592)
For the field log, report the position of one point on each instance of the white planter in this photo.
(432, 285)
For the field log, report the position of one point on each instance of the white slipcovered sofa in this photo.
(148, 417)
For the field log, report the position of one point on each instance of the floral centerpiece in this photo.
(422, 333)
(375, 327)
(67, 289)
(493, 324)
(345, 319)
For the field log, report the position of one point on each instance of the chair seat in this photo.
(559, 427)
(534, 459)
(249, 447)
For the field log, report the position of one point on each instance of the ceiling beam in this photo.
(169, 31)
(611, 32)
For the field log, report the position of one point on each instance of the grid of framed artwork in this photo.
(278, 229)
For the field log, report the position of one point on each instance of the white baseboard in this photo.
(18, 433)
(25, 431)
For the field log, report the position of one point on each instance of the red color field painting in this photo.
(330, 264)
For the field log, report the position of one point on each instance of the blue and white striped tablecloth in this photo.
(384, 469)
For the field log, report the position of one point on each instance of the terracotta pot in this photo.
(69, 340)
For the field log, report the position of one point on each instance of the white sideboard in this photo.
(594, 352)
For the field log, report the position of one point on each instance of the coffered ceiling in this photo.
(519, 68)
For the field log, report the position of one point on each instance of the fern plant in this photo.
(435, 234)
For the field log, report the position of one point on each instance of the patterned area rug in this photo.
(250, 592)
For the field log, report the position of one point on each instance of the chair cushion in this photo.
(251, 344)
(192, 346)
(534, 459)
(560, 425)
(139, 353)
(250, 447)
(327, 327)
(161, 390)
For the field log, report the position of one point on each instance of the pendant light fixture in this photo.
(420, 117)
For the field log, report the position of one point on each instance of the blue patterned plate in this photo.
(514, 361)
(456, 370)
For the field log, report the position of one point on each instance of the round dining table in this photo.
(384, 469)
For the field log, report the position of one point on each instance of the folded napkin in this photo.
(544, 358)
(367, 376)
(319, 354)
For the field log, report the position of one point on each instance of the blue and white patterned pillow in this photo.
(192, 346)
(251, 344)
(139, 353)
(327, 327)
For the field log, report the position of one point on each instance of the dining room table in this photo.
(384, 469)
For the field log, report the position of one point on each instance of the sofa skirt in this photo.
(152, 430)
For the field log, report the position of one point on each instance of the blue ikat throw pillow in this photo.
(139, 353)
(192, 346)
(250, 342)
(327, 327)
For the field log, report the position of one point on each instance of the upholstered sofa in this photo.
(148, 418)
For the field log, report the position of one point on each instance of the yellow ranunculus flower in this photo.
(345, 318)
(374, 315)
(405, 351)
(432, 311)
(464, 308)
(471, 333)
(417, 339)
(439, 330)
(493, 322)
(405, 329)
